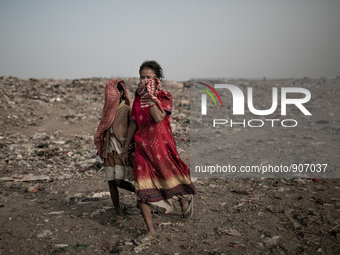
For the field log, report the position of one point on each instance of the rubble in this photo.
(45, 233)
(53, 191)
(51, 153)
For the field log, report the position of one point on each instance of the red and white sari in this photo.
(159, 172)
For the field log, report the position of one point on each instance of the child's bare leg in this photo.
(146, 213)
(115, 199)
(125, 185)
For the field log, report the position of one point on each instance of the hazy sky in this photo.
(190, 39)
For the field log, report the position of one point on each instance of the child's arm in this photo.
(131, 133)
(156, 113)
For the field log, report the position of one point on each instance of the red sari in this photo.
(158, 170)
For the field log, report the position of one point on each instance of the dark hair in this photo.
(156, 68)
(120, 88)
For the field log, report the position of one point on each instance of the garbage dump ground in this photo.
(54, 197)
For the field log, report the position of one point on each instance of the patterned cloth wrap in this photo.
(112, 98)
(146, 90)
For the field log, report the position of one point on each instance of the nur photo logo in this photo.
(238, 104)
(204, 97)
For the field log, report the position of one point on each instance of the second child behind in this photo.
(110, 140)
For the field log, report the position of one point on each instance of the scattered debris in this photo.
(233, 245)
(76, 247)
(271, 240)
(48, 144)
(60, 245)
(33, 189)
(45, 233)
(231, 232)
(58, 212)
(243, 192)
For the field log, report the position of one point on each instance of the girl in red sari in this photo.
(159, 173)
